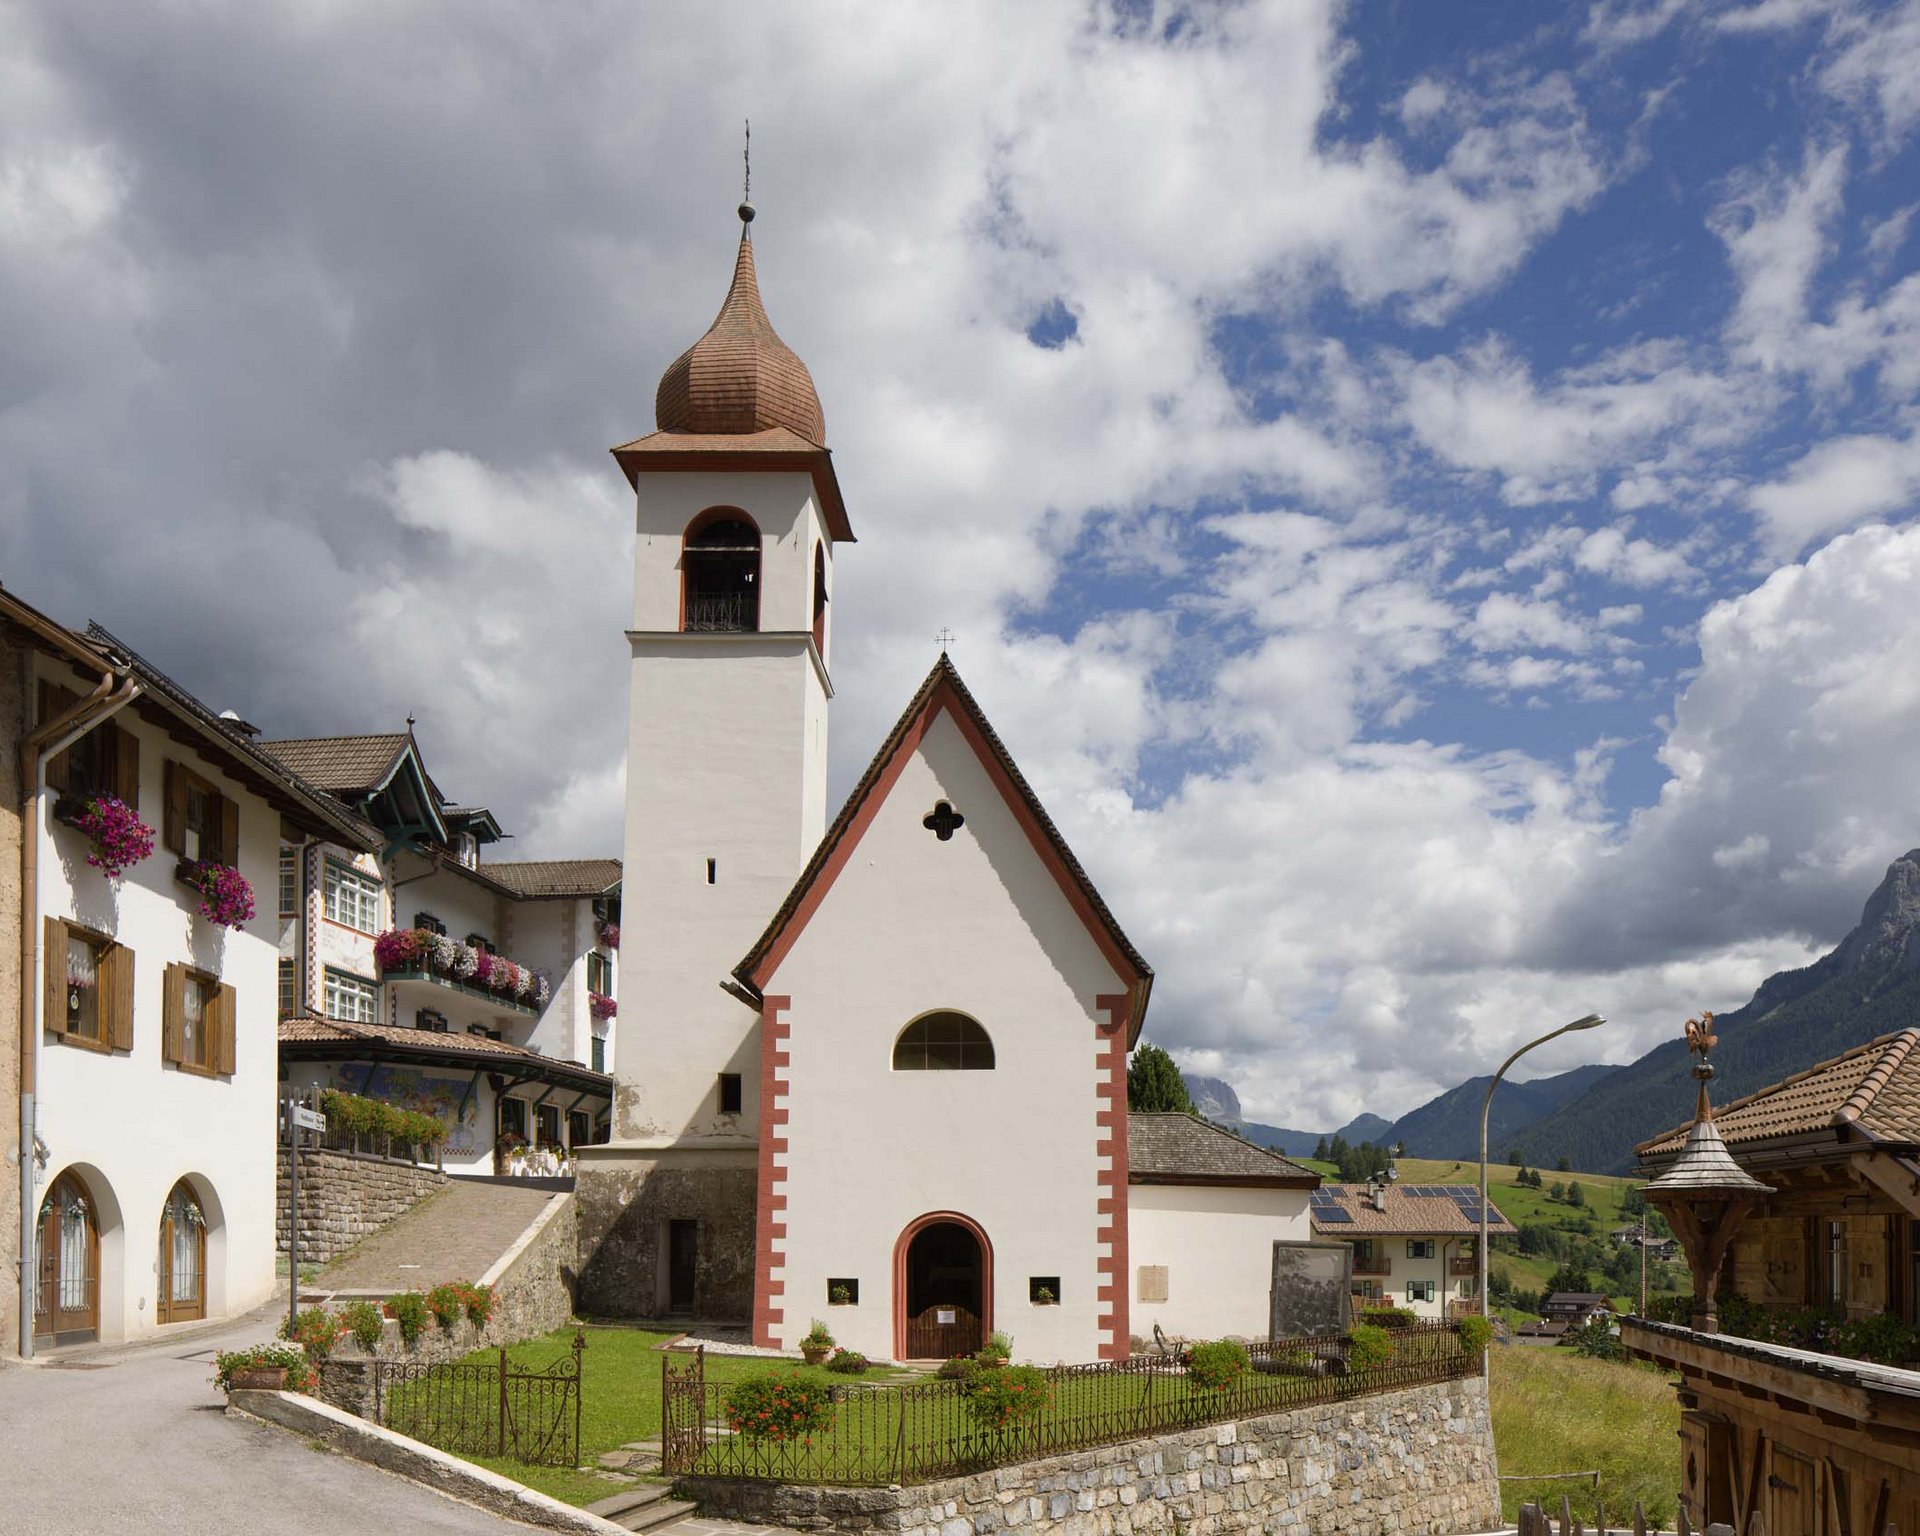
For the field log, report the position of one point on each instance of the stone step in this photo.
(657, 1517)
(629, 1499)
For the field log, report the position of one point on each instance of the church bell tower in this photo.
(737, 515)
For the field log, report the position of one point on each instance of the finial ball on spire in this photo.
(746, 213)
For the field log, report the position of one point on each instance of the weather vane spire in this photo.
(746, 183)
(1700, 1040)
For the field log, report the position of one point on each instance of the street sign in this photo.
(308, 1119)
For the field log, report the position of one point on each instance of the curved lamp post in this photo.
(1591, 1021)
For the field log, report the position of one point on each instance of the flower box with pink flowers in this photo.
(419, 954)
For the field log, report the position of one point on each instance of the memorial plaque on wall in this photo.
(1312, 1290)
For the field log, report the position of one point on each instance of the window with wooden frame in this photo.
(289, 882)
(197, 1015)
(599, 973)
(200, 822)
(89, 994)
(599, 1053)
(289, 1000)
(579, 1127)
(350, 997)
(943, 1042)
(1419, 1247)
(105, 761)
(546, 1120)
(353, 899)
(1419, 1290)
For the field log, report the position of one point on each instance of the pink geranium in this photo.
(120, 838)
(225, 896)
(601, 1007)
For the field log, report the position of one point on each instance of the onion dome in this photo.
(740, 377)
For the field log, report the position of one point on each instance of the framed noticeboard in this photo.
(1312, 1292)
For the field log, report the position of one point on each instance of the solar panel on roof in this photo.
(1331, 1213)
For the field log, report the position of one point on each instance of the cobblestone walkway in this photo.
(455, 1233)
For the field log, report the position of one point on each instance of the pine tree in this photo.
(1514, 1157)
(1154, 1084)
(1575, 1194)
(1320, 1150)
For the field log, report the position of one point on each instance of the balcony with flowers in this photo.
(420, 955)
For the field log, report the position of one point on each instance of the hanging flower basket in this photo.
(120, 838)
(601, 1007)
(610, 935)
(225, 896)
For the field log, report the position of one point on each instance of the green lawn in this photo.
(1554, 1411)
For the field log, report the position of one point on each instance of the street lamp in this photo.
(1591, 1021)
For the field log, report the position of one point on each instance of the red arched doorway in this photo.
(942, 1288)
(66, 1305)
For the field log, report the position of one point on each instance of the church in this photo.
(869, 1071)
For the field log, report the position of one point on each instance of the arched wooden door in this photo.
(66, 1306)
(943, 1292)
(183, 1258)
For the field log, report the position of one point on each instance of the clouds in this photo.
(1337, 575)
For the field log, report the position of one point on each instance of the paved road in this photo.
(456, 1233)
(135, 1441)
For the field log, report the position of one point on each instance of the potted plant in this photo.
(818, 1343)
(1044, 1297)
(839, 1296)
(998, 1349)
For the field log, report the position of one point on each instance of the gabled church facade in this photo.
(872, 1073)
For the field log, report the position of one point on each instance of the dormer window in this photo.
(466, 848)
(720, 574)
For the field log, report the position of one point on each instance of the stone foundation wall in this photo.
(532, 1295)
(1414, 1460)
(626, 1202)
(346, 1196)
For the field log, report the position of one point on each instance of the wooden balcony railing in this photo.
(1467, 1268)
(1372, 1264)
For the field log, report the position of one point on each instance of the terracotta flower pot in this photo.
(813, 1354)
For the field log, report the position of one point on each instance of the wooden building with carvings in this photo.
(1808, 1433)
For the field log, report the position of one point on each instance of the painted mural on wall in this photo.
(408, 1087)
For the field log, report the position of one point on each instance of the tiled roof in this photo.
(421, 1042)
(341, 764)
(943, 685)
(1180, 1149)
(555, 877)
(740, 376)
(1449, 1212)
(777, 448)
(1873, 1089)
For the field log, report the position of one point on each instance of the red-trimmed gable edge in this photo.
(943, 691)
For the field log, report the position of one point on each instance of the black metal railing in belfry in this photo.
(880, 1435)
(736, 612)
(492, 1408)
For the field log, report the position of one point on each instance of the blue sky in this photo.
(1426, 491)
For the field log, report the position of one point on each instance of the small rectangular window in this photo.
(431, 1020)
(289, 881)
(1043, 1290)
(288, 1002)
(513, 1118)
(599, 974)
(546, 1120)
(480, 941)
(1419, 1247)
(351, 998)
(729, 1093)
(599, 1053)
(194, 1033)
(352, 898)
(579, 1128)
(1419, 1290)
(844, 1292)
(713, 871)
(429, 922)
(83, 988)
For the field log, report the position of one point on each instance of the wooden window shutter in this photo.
(229, 832)
(174, 822)
(126, 766)
(116, 996)
(55, 701)
(55, 968)
(223, 1034)
(173, 1012)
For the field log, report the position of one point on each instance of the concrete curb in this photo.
(436, 1469)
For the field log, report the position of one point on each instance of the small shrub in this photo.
(818, 1337)
(300, 1375)
(778, 1406)
(448, 1303)
(959, 1368)
(315, 1331)
(1475, 1334)
(410, 1312)
(362, 1319)
(1368, 1348)
(478, 1302)
(848, 1362)
(1390, 1317)
(839, 1295)
(1596, 1340)
(1008, 1395)
(1217, 1366)
(1044, 1297)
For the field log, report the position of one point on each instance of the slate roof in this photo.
(341, 764)
(1873, 1090)
(942, 686)
(536, 878)
(1406, 1214)
(335, 1039)
(1180, 1149)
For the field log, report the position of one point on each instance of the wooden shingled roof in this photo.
(342, 765)
(943, 690)
(1183, 1149)
(546, 878)
(1872, 1091)
(310, 1039)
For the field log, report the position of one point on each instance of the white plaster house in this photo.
(904, 1111)
(1204, 1209)
(501, 1067)
(1414, 1246)
(146, 1043)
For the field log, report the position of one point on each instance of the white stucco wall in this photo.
(131, 1125)
(726, 761)
(912, 924)
(1216, 1244)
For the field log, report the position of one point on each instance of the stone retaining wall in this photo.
(532, 1295)
(345, 1196)
(1414, 1460)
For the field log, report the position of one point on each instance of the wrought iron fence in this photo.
(871, 1435)
(531, 1415)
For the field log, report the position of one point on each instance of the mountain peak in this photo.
(1885, 934)
(1214, 1099)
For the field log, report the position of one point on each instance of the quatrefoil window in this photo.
(943, 821)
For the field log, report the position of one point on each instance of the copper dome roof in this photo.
(740, 377)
